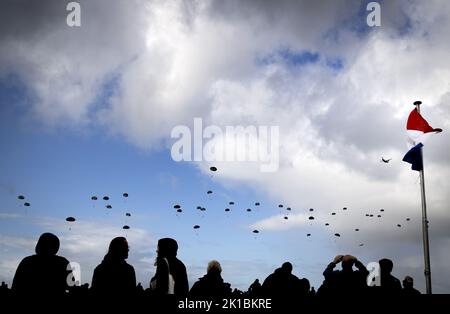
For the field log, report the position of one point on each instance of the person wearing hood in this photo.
(44, 273)
(170, 276)
(211, 284)
(114, 276)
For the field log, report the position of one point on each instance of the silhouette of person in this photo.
(408, 287)
(211, 284)
(44, 273)
(388, 283)
(282, 283)
(168, 263)
(114, 276)
(255, 289)
(347, 280)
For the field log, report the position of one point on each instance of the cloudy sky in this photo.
(89, 111)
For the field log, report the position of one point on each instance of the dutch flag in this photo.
(418, 130)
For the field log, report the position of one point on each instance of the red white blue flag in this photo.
(418, 130)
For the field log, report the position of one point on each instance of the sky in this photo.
(90, 110)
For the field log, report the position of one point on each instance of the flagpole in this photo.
(426, 244)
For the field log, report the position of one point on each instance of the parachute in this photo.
(108, 206)
(70, 219)
(176, 206)
(213, 169)
(106, 198)
(196, 227)
(128, 214)
(26, 204)
(21, 197)
(255, 231)
(125, 194)
(311, 218)
(126, 227)
(94, 198)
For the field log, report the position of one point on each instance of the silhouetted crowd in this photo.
(46, 273)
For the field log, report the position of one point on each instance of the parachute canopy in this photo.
(21, 197)
(213, 168)
(125, 194)
(70, 219)
(196, 227)
(106, 198)
(126, 227)
(94, 198)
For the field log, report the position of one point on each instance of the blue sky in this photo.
(89, 111)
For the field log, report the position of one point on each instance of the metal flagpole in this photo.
(426, 244)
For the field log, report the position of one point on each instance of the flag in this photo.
(414, 157)
(418, 130)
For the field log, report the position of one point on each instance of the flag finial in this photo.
(417, 103)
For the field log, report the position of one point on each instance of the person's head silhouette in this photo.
(167, 247)
(214, 268)
(48, 244)
(386, 266)
(347, 262)
(286, 268)
(408, 282)
(118, 249)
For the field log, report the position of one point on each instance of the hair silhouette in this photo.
(114, 276)
(45, 272)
